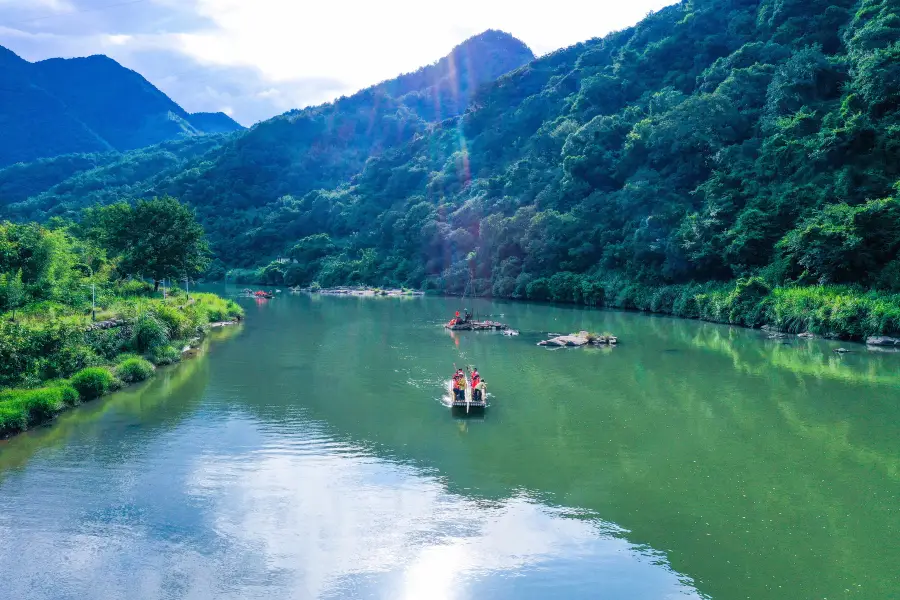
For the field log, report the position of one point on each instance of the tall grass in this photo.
(55, 341)
(836, 311)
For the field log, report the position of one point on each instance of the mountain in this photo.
(294, 153)
(85, 105)
(217, 122)
(734, 160)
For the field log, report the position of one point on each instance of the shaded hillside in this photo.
(83, 105)
(34, 123)
(715, 141)
(303, 150)
(714, 161)
(217, 122)
(99, 178)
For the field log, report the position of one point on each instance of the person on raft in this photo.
(477, 388)
(459, 385)
(478, 391)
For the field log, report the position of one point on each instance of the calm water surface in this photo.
(309, 456)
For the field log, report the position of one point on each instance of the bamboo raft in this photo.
(467, 403)
(477, 326)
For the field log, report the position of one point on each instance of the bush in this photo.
(134, 370)
(12, 419)
(213, 309)
(538, 289)
(68, 394)
(20, 409)
(176, 322)
(165, 355)
(92, 382)
(148, 333)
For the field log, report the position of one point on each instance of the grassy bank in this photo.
(53, 356)
(841, 312)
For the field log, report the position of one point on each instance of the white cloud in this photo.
(365, 42)
(267, 56)
(119, 40)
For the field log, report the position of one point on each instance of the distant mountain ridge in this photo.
(85, 105)
(251, 173)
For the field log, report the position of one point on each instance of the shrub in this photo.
(148, 333)
(109, 343)
(134, 370)
(165, 355)
(214, 308)
(19, 409)
(12, 419)
(538, 289)
(92, 382)
(176, 322)
(68, 394)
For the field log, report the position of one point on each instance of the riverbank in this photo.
(829, 311)
(52, 359)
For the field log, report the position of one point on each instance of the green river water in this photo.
(307, 454)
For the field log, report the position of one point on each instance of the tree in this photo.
(13, 291)
(159, 238)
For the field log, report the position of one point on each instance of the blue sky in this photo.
(257, 58)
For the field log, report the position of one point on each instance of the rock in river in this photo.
(881, 340)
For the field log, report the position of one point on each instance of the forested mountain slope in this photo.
(718, 141)
(715, 141)
(236, 185)
(85, 105)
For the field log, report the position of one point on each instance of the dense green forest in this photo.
(730, 160)
(231, 182)
(91, 104)
(77, 318)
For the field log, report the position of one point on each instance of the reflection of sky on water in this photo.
(244, 515)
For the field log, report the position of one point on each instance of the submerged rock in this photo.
(565, 340)
(842, 350)
(806, 336)
(882, 340)
(582, 338)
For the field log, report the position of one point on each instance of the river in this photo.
(308, 455)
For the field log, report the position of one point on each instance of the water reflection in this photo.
(310, 458)
(258, 513)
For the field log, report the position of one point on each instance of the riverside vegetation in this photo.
(731, 161)
(52, 353)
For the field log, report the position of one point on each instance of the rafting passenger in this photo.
(479, 390)
(459, 385)
(475, 377)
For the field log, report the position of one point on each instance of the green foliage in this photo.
(159, 238)
(20, 409)
(133, 370)
(92, 382)
(148, 333)
(711, 162)
(176, 321)
(165, 355)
